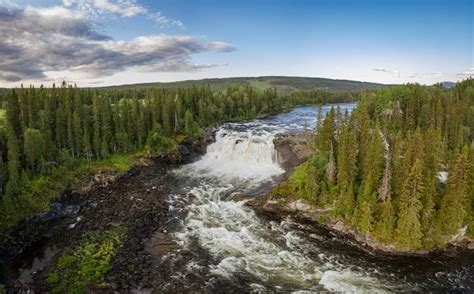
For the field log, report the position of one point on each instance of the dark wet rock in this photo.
(293, 149)
(160, 244)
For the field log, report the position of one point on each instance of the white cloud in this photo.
(433, 74)
(123, 8)
(468, 72)
(58, 11)
(396, 73)
(126, 8)
(54, 42)
(165, 21)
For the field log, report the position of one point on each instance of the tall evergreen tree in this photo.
(409, 231)
(455, 204)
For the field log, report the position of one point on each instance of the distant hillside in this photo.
(283, 84)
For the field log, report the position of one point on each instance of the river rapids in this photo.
(234, 249)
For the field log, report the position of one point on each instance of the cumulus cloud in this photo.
(33, 42)
(396, 73)
(123, 8)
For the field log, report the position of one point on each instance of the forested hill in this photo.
(281, 83)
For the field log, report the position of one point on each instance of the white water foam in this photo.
(347, 281)
(243, 155)
(233, 234)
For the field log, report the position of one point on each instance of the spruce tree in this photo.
(14, 164)
(34, 148)
(13, 114)
(455, 204)
(409, 230)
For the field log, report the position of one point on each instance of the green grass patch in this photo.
(87, 263)
(115, 163)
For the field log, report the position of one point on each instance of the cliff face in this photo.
(293, 149)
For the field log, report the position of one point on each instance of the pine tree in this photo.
(34, 148)
(346, 167)
(12, 187)
(384, 227)
(96, 130)
(168, 116)
(454, 205)
(366, 201)
(106, 128)
(325, 136)
(77, 133)
(409, 231)
(86, 139)
(190, 126)
(13, 114)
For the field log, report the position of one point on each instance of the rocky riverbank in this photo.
(303, 211)
(134, 200)
(293, 149)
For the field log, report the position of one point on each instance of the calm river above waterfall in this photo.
(235, 249)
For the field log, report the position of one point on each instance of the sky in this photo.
(111, 42)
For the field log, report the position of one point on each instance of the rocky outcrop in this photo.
(461, 240)
(293, 149)
(101, 178)
(305, 212)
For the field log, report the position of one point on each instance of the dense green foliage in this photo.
(47, 134)
(87, 263)
(378, 168)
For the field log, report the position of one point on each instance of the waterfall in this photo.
(245, 155)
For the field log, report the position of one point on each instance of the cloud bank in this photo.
(35, 41)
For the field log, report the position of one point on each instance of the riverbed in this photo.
(234, 249)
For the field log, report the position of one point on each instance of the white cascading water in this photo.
(233, 234)
(242, 155)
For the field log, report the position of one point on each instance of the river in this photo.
(233, 249)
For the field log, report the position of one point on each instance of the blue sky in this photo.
(380, 41)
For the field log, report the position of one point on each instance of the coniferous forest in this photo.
(48, 132)
(383, 168)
